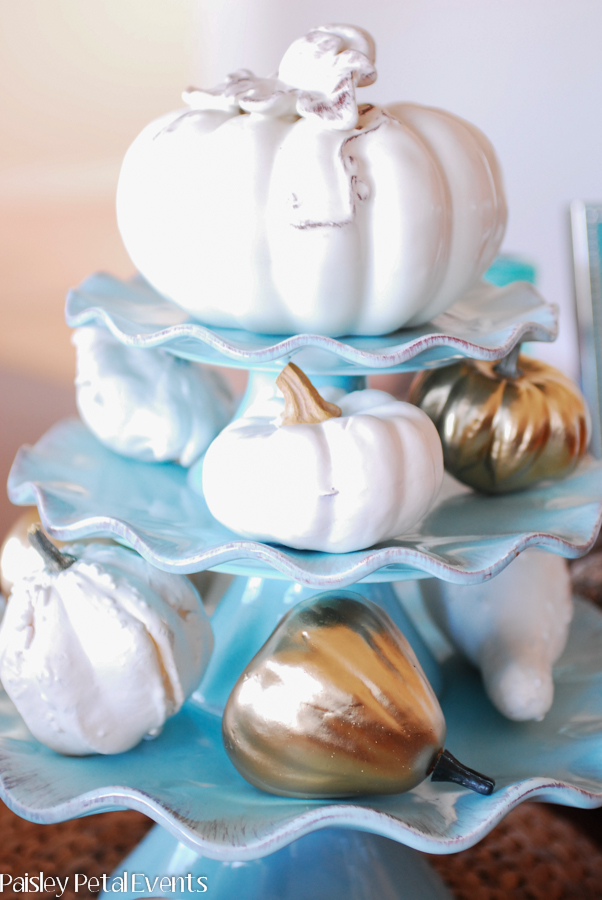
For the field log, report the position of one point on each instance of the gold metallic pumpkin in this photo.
(335, 704)
(504, 425)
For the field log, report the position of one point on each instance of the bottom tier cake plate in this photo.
(212, 824)
(82, 489)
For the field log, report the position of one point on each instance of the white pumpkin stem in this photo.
(52, 556)
(508, 366)
(303, 405)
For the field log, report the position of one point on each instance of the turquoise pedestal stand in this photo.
(333, 864)
(110, 495)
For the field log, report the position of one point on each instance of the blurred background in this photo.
(80, 78)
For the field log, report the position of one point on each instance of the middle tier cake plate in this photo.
(485, 324)
(82, 488)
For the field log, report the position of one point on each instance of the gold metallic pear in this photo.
(335, 704)
(504, 426)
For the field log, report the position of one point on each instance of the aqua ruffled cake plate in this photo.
(211, 823)
(247, 843)
(485, 324)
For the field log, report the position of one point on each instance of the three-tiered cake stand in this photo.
(211, 822)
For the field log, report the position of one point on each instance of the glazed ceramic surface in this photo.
(504, 427)
(251, 608)
(148, 404)
(341, 219)
(81, 488)
(100, 652)
(334, 704)
(184, 780)
(370, 470)
(513, 628)
(485, 324)
(331, 864)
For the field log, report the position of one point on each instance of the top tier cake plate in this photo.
(213, 822)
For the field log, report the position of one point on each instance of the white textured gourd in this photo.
(279, 205)
(99, 655)
(513, 628)
(338, 485)
(147, 404)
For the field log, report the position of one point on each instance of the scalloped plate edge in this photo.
(332, 816)
(285, 346)
(422, 565)
(403, 353)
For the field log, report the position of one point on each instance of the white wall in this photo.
(527, 72)
(79, 78)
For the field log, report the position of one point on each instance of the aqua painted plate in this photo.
(486, 324)
(185, 782)
(82, 489)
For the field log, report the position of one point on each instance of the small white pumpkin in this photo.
(280, 206)
(513, 628)
(147, 404)
(324, 477)
(98, 651)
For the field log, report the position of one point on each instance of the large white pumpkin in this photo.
(279, 205)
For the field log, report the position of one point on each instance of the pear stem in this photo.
(447, 768)
(303, 405)
(55, 560)
(508, 366)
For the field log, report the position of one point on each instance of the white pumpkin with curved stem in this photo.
(100, 653)
(363, 475)
(279, 205)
